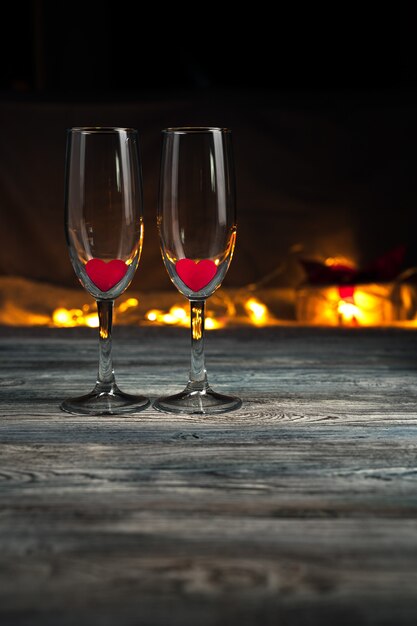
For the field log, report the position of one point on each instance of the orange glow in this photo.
(23, 303)
(371, 304)
(127, 304)
(197, 326)
(178, 315)
(333, 261)
(87, 315)
(350, 313)
(257, 312)
(13, 315)
(65, 318)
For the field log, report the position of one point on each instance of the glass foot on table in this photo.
(99, 402)
(197, 402)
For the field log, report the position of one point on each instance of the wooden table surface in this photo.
(300, 508)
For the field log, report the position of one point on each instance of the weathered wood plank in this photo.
(299, 508)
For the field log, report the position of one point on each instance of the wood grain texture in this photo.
(300, 508)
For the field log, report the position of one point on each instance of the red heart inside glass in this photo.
(196, 274)
(106, 275)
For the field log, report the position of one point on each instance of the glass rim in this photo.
(183, 130)
(101, 129)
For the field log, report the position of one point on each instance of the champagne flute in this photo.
(104, 232)
(197, 231)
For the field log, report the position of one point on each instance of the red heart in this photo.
(196, 274)
(105, 275)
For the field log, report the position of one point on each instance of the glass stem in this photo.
(198, 373)
(105, 378)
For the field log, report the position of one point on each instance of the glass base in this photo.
(199, 402)
(105, 402)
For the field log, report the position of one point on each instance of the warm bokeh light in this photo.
(87, 315)
(373, 304)
(127, 304)
(153, 314)
(211, 324)
(257, 312)
(349, 305)
(178, 315)
(350, 313)
(65, 318)
(339, 261)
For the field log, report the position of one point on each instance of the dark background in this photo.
(321, 102)
(127, 50)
